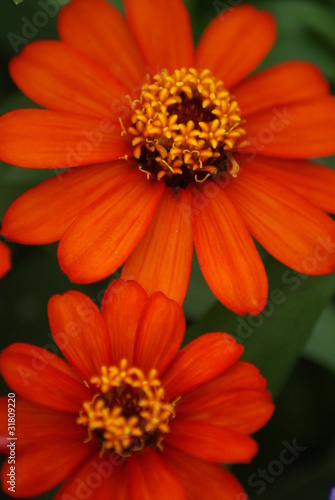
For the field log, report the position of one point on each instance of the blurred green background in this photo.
(292, 342)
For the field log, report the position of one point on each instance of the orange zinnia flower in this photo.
(130, 414)
(5, 263)
(167, 146)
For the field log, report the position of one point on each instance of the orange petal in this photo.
(160, 332)
(199, 362)
(97, 479)
(37, 138)
(103, 236)
(5, 263)
(3, 422)
(45, 464)
(289, 227)
(121, 307)
(242, 375)
(298, 130)
(99, 30)
(313, 181)
(243, 410)
(40, 376)
(163, 33)
(210, 442)
(203, 480)
(80, 332)
(227, 255)
(44, 213)
(163, 258)
(150, 478)
(241, 378)
(286, 82)
(78, 84)
(38, 423)
(235, 43)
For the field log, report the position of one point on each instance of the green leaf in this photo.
(199, 297)
(275, 338)
(321, 346)
(305, 414)
(303, 28)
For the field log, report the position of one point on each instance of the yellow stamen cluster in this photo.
(185, 124)
(129, 410)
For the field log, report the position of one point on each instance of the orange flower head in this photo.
(159, 146)
(129, 412)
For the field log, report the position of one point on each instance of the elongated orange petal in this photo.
(37, 138)
(235, 43)
(147, 475)
(160, 333)
(41, 376)
(243, 411)
(163, 33)
(239, 377)
(313, 181)
(45, 212)
(283, 83)
(99, 30)
(78, 84)
(163, 258)
(121, 307)
(237, 399)
(38, 422)
(203, 480)
(289, 227)
(298, 130)
(38, 472)
(97, 478)
(80, 332)
(100, 239)
(210, 442)
(4, 421)
(199, 362)
(5, 263)
(227, 255)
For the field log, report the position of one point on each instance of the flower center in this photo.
(128, 411)
(185, 127)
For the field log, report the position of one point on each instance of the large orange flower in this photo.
(168, 146)
(5, 263)
(129, 414)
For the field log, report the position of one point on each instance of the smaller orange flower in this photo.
(5, 263)
(130, 417)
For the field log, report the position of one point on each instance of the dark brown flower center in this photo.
(185, 127)
(128, 410)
